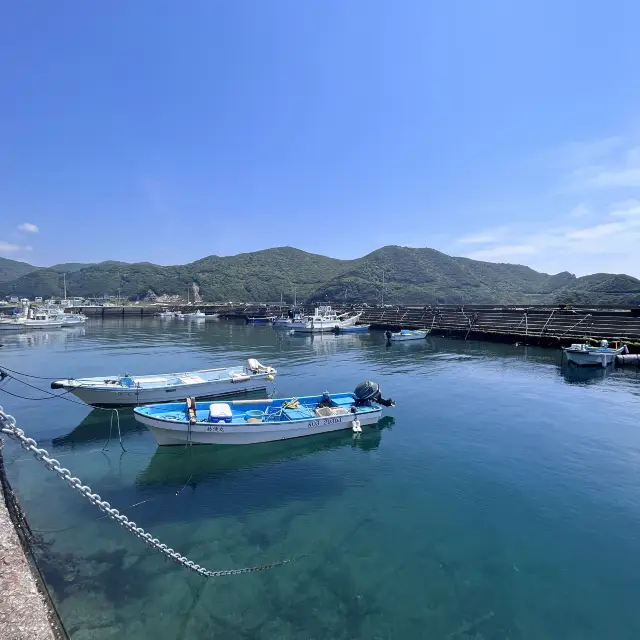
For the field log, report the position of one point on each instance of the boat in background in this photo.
(67, 319)
(260, 319)
(358, 328)
(285, 322)
(211, 316)
(586, 355)
(130, 390)
(407, 334)
(29, 318)
(254, 421)
(165, 313)
(324, 318)
(196, 315)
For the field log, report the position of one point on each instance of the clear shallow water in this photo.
(499, 499)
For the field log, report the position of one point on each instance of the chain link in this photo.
(9, 427)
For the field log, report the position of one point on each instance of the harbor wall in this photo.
(542, 325)
(26, 611)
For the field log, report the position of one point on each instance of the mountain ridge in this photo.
(411, 276)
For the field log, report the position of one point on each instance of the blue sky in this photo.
(166, 131)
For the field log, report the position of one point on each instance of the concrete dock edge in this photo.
(26, 612)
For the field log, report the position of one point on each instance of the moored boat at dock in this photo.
(407, 334)
(131, 390)
(325, 318)
(587, 355)
(254, 421)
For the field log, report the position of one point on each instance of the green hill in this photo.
(418, 276)
(12, 269)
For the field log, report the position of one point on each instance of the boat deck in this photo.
(272, 411)
(167, 380)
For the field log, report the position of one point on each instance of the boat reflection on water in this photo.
(95, 427)
(191, 465)
(573, 374)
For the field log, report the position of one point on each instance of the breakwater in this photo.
(539, 325)
(543, 326)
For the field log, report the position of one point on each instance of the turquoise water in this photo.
(499, 499)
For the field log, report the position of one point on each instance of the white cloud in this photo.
(610, 244)
(485, 237)
(27, 227)
(9, 247)
(626, 209)
(504, 252)
(580, 211)
(604, 166)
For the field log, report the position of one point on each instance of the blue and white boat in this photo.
(253, 421)
(586, 355)
(131, 390)
(358, 328)
(407, 334)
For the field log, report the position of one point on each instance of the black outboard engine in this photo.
(369, 392)
(388, 334)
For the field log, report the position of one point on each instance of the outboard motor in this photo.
(388, 334)
(369, 392)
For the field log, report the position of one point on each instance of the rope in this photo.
(9, 427)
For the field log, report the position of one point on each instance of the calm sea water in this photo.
(499, 499)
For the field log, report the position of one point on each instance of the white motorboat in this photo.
(67, 319)
(30, 319)
(165, 313)
(254, 421)
(196, 315)
(407, 334)
(130, 390)
(325, 319)
(586, 355)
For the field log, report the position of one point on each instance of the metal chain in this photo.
(8, 426)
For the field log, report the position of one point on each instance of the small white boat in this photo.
(211, 316)
(586, 355)
(130, 390)
(285, 322)
(325, 319)
(196, 315)
(67, 319)
(407, 334)
(254, 421)
(165, 313)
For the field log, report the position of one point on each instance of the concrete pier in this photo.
(25, 613)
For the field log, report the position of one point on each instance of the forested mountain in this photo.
(411, 276)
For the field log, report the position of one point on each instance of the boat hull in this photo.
(203, 433)
(123, 397)
(592, 359)
(403, 338)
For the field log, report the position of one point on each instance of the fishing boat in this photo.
(165, 313)
(30, 319)
(260, 319)
(196, 315)
(325, 319)
(285, 321)
(268, 420)
(358, 328)
(407, 334)
(67, 319)
(587, 355)
(131, 390)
